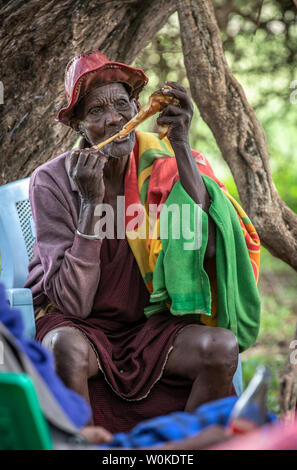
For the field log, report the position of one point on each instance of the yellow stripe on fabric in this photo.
(143, 176)
(143, 193)
(148, 141)
(168, 146)
(253, 251)
(138, 241)
(250, 229)
(255, 264)
(155, 248)
(148, 158)
(236, 205)
(151, 147)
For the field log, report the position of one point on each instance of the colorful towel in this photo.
(175, 276)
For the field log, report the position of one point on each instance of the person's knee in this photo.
(216, 352)
(70, 349)
(219, 350)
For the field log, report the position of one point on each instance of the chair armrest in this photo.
(21, 299)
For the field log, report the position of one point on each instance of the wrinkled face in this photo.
(102, 113)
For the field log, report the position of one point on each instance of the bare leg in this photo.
(75, 358)
(209, 357)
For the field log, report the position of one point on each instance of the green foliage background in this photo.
(262, 56)
(259, 61)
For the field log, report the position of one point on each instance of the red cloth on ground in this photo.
(132, 351)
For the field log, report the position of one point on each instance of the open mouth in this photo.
(119, 140)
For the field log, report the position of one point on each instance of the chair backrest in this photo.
(22, 423)
(16, 233)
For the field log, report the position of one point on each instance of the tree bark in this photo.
(288, 385)
(239, 135)
(37, 39)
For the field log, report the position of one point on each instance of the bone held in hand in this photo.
(157, 102)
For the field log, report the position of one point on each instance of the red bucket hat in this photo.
(87, 71)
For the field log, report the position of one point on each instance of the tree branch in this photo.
(239, 135)
(37, 39)
(288, 387)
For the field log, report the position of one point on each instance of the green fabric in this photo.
(179, 276)
(176, 275)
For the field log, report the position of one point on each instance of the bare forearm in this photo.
(190, 175)
(87, 219)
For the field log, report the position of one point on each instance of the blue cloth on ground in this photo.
(74, 406)
(177, 426)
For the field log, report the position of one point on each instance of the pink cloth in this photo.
(277, 436)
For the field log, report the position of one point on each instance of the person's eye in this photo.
(96, 110)
(122, 104)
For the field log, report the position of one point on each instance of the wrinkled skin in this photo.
(178, 116)
(102, 113)
(207, 356)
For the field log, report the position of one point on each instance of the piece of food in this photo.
(156, 103)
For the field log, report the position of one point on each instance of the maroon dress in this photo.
(131, 350)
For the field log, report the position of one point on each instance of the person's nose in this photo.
(113, 118)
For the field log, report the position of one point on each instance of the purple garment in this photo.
(64, 265)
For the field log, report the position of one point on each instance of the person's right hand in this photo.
(97, 434)
(86, 170)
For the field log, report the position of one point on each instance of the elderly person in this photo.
(138, 327)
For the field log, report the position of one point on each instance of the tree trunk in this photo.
(37, 39)
(288, 385)
(239, 135)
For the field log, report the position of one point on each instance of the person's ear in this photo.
(75, 125)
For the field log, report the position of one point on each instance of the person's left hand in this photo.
(177, 116)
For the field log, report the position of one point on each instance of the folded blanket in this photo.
(171, 263)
